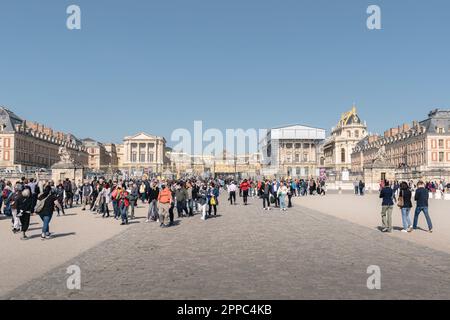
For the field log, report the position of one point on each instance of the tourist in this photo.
(190, 202)
(361, 187)
(106, 199)
(387, 194)
(232, 192)
(60, 194)
(266, 194)
(213, 198)
(153, 193)
(24, 209)
(275, 187)
(164, 203)
(115, 197)
(133, 192)
(356, 187)
(46, 208)
(245, 186)
(124, 204)
(421, 199)
(405, 204)
(281, 194)
(181, 197)
(203, 200)
(86, 190)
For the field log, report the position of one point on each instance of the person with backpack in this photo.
(45, 207)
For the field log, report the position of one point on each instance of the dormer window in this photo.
(440, 130)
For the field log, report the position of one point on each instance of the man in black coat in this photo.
(421, 198)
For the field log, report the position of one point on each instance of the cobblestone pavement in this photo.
(248, 253)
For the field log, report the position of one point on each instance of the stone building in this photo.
(111, 149)
(291, 151)
(420, 151)
(99, 158)
(28, 145)
(337, 148)
(142, 154)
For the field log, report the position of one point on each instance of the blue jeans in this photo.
(427, 216)
(116, 208)
(282, 201)
(405, 218)
(124, 214)
(46, 223)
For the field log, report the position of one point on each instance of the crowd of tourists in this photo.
(188, 197)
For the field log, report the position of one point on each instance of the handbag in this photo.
(400, 201)
(213, 201)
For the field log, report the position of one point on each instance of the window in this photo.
(441, 157)
(440, 130)
(343, 155)
(349, 134)
(142, 157)
(150, 157)
(357, 134)
(289, 145)
(133, 157)
(441, 143)
(298, 146)
(297, 158)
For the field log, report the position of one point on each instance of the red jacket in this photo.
(245, 186)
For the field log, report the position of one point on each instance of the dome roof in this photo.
(349, 118)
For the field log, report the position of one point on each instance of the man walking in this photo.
(421, 198)
(387, 194)
(164, 202)
(232, 192)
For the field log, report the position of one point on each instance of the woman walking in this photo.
(46, 212)
(24, 209)
(282, 192)
(405, 204)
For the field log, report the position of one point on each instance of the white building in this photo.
(291, 151)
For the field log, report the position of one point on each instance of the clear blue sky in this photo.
(157, 65)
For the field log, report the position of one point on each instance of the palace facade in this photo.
(419, 151)
(141, 153)
(337, 149)
(291, 151)
(26, 145)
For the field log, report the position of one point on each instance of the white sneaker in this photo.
(147, 221)
(405, 231)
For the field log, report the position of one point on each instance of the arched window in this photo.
(343, 155)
